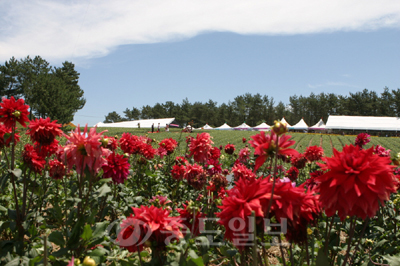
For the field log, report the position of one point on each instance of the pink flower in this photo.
(381, 151)
(244, 155)
(85, 151)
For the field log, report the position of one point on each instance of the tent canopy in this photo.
(243, 126)
(283, 120)
(263, 126)
(144, 123)
(320, 125)
(224, 127)
(301, 125)
(380, 123)
(206, 126)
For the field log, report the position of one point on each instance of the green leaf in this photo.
(103, 190)
(196, 262)
(203, 244)
(3, 209)
(87, 233)
(322, 259)
(14, 262)
(392, 260)
(100, 229)
(57, 238)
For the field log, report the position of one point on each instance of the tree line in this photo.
(49, 91)
(257, 108)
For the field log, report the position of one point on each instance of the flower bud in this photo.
(16, 113)
(396, 159)
(279, 127)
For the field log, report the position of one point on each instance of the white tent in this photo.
(145, 123)
(318, 126)
(224, 127)
(206, 126)
(284, 121)
(243, 126)
(381, 123)
(262, 127)
(301, 125)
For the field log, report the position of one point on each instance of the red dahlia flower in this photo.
(292, 173)
(85, 150)
(215, 153)
(362, 139)
(265, 146)
(244, 155)
(240, 171)
(117, 167)
(47, 150)
(5, 133)
(236, 208)
(178, 171)
(43, 131)
(229, 149)
(13, 111)
(148, 224)
(195, 176)
(298, 161)
(213, 167)
(356, 183)
(169, 144)
(244, 140)
(190, 217)
(381, 151)
(110, 143)
(314, 153)
(200, 147)
(57, 169)
(32, 159)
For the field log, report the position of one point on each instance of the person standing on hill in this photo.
(152, 128)
(158, 127)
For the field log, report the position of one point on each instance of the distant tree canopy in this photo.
(255, 109)
(49, 91)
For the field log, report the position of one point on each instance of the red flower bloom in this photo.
(244, 140)
(381, 151)
(117, 167)
(362, 139)
(213, 167)
(169, 144)
(32, 159)
(57, 169)
(12, 111)
(356, 183)
(190, 217)
(180, 160)
(85, 150)
(215, 153)
(314, 153)
(147, 151)
(148, 223)
(310, 183)
(178, 171)
(110, 143)
(236, 208)
(47, 150)
(244, 155)
(200, 147)
(130, 143)
(229, 149)
(292, 173)
(160, 200)
(43, 131)
(5, 133)
(195, 176)
(299, 161)
(265, 146)
(240, 171)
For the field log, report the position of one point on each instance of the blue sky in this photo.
(135, 53)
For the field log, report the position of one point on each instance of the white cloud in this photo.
(64, 29)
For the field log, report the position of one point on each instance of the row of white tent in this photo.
(334, 122)
(301, 125)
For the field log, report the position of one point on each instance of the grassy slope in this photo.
(303, 140)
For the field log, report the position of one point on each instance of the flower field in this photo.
(125, 197)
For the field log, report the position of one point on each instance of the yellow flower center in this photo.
(16, 113)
